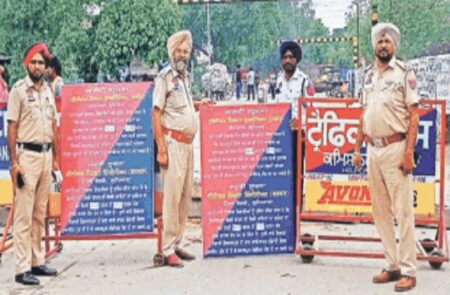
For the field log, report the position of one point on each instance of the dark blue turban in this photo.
(293, 47)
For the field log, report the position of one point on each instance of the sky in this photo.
(332, 12)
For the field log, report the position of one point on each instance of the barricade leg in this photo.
(4, 243)
(159, 259)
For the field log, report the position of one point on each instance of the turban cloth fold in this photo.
(293, 47)
(385, 29)
(176, 40)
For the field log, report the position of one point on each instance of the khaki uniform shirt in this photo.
(33, 110)
(386, 98)
(173, 96)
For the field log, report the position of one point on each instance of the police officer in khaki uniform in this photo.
(32, 148)
(175, 125)
(389, 126)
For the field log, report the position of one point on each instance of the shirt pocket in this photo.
(31, 110)
(392, 92)
(367, 95)
(176, 99)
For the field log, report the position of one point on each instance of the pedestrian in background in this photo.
(251, 84)
(238, 82)
(389, 125)
(272, 84)
(32, 146)
(3, 86)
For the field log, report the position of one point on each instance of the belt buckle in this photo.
(378, 142)
(45, 147)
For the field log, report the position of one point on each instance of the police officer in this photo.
(32, 148)
(290, 86)
(389, 126)
(175, 125)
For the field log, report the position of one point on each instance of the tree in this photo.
(128, 28)
(247, 33)
(56, 22)
(421, 22)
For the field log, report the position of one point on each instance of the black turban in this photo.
(293, 47)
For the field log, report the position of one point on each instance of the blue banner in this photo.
(107, 159)
(247, 180)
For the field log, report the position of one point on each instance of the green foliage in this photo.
(242, 32)
(128, 28)
(55, 22)
(247, 33)
(86, 43)
(421, 22)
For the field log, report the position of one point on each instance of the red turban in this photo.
(33, 50)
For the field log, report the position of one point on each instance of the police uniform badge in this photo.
(278, 89)
(412, 84)
(176, 84)
(30, 95)
(369, 79)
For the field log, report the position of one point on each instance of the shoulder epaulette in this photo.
(164, 72)
(402, 65)
(19, 83)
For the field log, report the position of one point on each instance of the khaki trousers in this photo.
(30, 208)
(392, 197)
(177, 188)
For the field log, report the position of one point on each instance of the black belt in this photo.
(35, 147)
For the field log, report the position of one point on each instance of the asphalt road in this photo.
(126, 267)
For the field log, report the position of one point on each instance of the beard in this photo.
(289, 68)
(384, 56)
(180, 65)
(36, 76)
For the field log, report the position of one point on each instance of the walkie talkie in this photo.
(20, 182)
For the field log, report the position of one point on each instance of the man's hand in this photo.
(163, 158)
(356, 161)
(206, 101)
(13, 172)
(407, 165)
(203, 102)
(293, 124)
(56, 165)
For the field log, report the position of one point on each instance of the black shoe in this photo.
(43, 270)
(27, 278)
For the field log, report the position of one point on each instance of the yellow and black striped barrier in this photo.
(184, 2)
(354, 41)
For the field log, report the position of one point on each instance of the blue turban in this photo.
(293, 47)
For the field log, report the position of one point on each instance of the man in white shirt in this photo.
(291, 82)
(291, 85)
(251, 84)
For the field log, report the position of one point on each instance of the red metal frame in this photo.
(5, 244)
(441, 234)
(57, 238)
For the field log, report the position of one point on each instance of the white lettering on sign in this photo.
(329, 129)
(332, 129)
